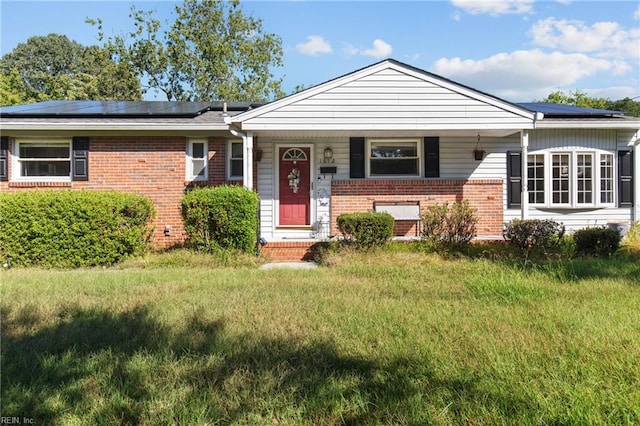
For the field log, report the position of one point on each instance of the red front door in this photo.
(295, 186)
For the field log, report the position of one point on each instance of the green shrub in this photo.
(222, 217)
(449, 224)
(366, 230)
(597, 242)
(543, 237)
(73, 228)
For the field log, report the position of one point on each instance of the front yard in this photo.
(391, 338)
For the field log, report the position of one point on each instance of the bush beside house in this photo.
(221, 217)
(73, 228)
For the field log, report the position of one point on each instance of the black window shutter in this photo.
(514, 179)
(4, 149)
(431, 157)
(356, 158)
(625, 178)
(80, 159)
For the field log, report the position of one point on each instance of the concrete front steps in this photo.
(289, 250)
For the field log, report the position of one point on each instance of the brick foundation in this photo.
(351, 196)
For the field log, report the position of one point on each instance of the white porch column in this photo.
(636, 178)
(524, 201)
(247, 160)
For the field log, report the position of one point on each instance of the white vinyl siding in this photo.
(389, 99)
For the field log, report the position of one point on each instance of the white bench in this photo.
(400, 210)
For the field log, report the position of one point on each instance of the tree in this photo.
(211, 52)
(580, 99)
(13, 90)
(54, 67)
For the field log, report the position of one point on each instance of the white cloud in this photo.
(314, 45)
(525, 74)
(380, 49)
(495, 7)
(605, 39)
(350, 50)
(636, 15)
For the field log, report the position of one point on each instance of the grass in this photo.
(389, 337)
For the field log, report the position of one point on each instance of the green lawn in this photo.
(391, 338)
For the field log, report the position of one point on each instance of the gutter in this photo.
(247, 148)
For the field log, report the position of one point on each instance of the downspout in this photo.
(636, 177)
(524, 182)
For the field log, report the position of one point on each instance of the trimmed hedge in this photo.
(221, 217)
(366, 229)
(73, 228)
(597, 242)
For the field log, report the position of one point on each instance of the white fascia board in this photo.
(111, 127)
(592, 124)
(353, 127)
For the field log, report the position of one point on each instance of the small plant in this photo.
(452, 225)
(630, 244)
(597, 242)
(541, 237)
(366, 230)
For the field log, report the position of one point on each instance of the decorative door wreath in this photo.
(294, 179)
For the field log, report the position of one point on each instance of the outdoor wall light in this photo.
(328, 155)
(167, 230)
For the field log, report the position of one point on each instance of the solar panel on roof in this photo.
(561, 109)
(108, 108)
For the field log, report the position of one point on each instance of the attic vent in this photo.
(294, 154)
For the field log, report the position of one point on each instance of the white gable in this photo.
(387, 96)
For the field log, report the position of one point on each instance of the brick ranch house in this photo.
(387, 137)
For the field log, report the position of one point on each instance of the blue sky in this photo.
(520, 50)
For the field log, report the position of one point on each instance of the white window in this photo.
(235, 164)
(393, 157)
(572, 179)
(197, 160)
(38, 160)
(606, 178)
(535, 175)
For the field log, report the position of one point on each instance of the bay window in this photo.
(570, 179)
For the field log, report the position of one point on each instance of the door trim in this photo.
(276, 186)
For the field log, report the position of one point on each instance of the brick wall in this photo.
(350, 196)
(149, 166)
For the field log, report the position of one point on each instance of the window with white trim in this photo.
(197, 160)
(393, 157)
(535, 175)
(39, 160)
(235, 161)
(606, 179)
(572, 179)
